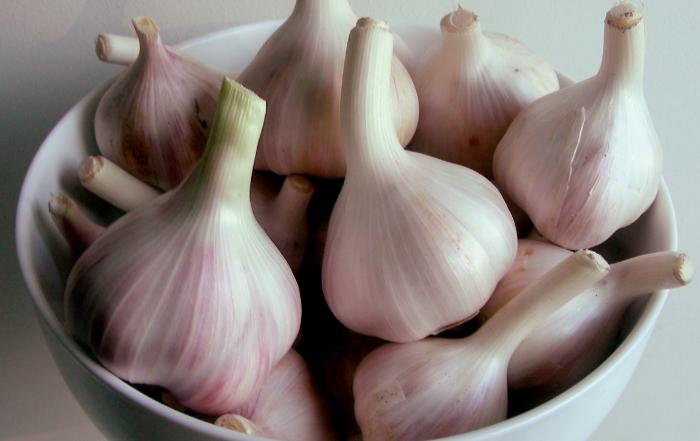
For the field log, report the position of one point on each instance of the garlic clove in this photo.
(78, 230)
(415, 244)
(154, 118)
(591, 147)
(290, 407)
(588, 325)
(439, 387)
(471, 89)
(107, 180)
(188, 293)
(299, 72)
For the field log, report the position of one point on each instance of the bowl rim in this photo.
(636, 337)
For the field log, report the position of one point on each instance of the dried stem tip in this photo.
(370, 23)
(623, 17)
(237, 423)
(684, 269)
(459, 21)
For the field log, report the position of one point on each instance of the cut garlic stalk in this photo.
(586, 327)
(471, 89)
(460, 385)
(78, 230)
(154, 119)
(117, 49)
(586, 160)
(415, 244)
(299, 72)
(188, 293)
(108, 181)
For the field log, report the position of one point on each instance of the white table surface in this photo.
(47, 64)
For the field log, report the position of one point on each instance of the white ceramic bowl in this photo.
(123, 413)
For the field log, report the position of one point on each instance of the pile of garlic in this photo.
(234, 224)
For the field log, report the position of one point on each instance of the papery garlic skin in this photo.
(415, 244)
(472, 88)
(154, 119)
(586, 160)
(587, 326)
(290, 407)
(299, 72)
(439, 387)
(188, 293)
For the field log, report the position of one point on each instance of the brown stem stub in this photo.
(684, 269)
(102, 47)
(89, 168)
(623, 17)
(301, 183)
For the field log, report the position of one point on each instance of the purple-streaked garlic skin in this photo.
(154, 119)
(298, 71)
(415, 244)
(290, 407)
(77, 229)
(439, 387)
(587, 326)
(188, 293)
(591, 148)
(472, 88)
(401, 390)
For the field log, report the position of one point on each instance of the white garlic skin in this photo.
(471, 89)
(415, 244)
(290, 407)
(586, 160)
(188, 292)
(428, 389)
(154, 119)
(298, 71)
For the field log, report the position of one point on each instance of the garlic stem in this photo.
(293, 199)
(116, 49)
(108, 181)
(512, 323)
(367, 125)
(321, 9)
(462, 34)
(149, 37)
(646, 274)
(226, 168)
(78, 230)
(238, 423)
(624, 46)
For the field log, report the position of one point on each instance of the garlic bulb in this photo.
(471, 89)
(415, 244)
(188, 293)
(299, 71)
(290, 406)
(154, 119)
(281, 212)
(439, 387)
(586, 327)
(585, 161)
(78, 230)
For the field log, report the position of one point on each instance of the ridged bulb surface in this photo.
(154, 119)
(188, 292)
(299, 72)
(470, 90)
(586, 160)
(415, 244)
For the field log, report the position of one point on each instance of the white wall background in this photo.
(47, 64)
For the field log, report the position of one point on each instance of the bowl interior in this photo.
(45, 259)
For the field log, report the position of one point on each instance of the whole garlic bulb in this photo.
(415, 244)
(586, 327)
(154, 119)
(471, 89)
(586, 160)
(298, 71)
(438, 387)
(290, 407)
(188, 292)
